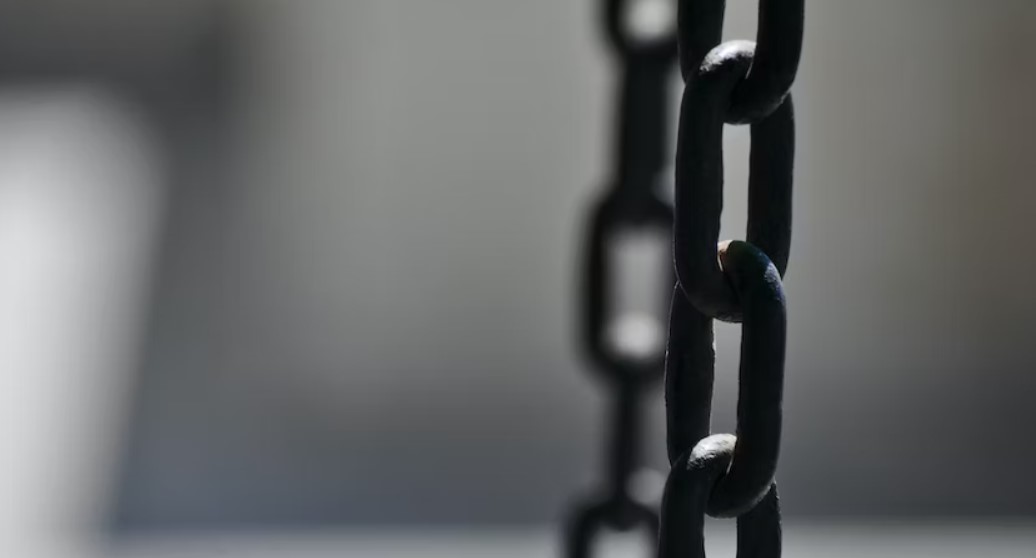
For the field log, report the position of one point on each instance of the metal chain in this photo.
(631, 203)
(735, 83)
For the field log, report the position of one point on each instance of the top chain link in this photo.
(773, 66)
(737, 82)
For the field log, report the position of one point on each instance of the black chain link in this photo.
(737, 82)
(631, 203)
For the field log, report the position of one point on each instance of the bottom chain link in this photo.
(686, 498)
(724, 475)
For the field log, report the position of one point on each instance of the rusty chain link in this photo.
(631, 203)
(736, 83)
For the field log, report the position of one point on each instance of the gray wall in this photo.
(373, 321)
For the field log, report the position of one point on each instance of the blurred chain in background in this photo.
(626, 348)
(735, 83)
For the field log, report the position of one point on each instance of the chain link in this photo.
(631, 203)
(736, 281)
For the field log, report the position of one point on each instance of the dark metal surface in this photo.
(631, 203)
(724, 475)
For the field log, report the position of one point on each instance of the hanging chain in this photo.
(632, 203)
(736, 83)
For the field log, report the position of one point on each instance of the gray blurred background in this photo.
(314, 262)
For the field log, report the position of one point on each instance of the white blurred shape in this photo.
(614, 544)
(647, 486)
(639, 266)
(650, 20)
(79, 204)
(636, 335)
